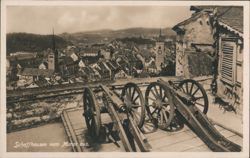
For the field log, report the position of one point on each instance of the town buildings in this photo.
(120, 58)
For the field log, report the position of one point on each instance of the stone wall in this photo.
(197, 64)
(197, 31)
(31, 113)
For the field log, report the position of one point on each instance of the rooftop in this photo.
(228, 15)
(36, 72)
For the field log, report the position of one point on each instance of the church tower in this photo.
(160, 51)
(51, 60)
(53, 56)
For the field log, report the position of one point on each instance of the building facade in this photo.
(199, 35)
(195, 31)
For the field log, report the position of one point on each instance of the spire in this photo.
(55, 52)
(160, 33)
(53, 41)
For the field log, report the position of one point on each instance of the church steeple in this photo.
(160, 33)
(160, 37)
(53, 56)
(53, 41)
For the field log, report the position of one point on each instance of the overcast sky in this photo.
(41, 19)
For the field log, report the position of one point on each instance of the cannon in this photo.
(171, 104)
(166, 105)
(126, 112)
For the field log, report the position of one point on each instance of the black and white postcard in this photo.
(104, 78)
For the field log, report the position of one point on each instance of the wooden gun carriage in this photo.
(168, 105)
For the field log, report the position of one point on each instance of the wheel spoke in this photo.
(153, 111)
(165, 103)
(191, 89)
(129, 91)
(153, 93)
(197, 98)
(161, 115)
(165, 116)
(135, 105)
(187, 87)
(136, 113)
(127, 95)
(195, 91)
(133, 94)
(163, 98)
(161, 92)
(135, 98)
(156, 91)
(151, 98)
(199, 104)
(183, 90)
(165, 108)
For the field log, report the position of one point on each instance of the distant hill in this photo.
(136, 40)
(102, 36)
(35, 43)
(32, 42)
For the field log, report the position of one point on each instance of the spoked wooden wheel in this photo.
(134, 101)
(197, 93)
(176, 123)
(91, 112)
(157, 105)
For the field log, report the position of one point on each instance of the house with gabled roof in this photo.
(229, 77)
(192, 33)
(215, 32)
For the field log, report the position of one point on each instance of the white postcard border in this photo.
(3, 144)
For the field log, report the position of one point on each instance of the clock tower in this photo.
(160, 52)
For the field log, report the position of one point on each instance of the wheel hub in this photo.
(128, 103)
(158, 103)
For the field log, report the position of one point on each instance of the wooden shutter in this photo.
(228, 50)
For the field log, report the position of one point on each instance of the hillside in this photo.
(101, 36)
(35, 43)
(32, 42)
